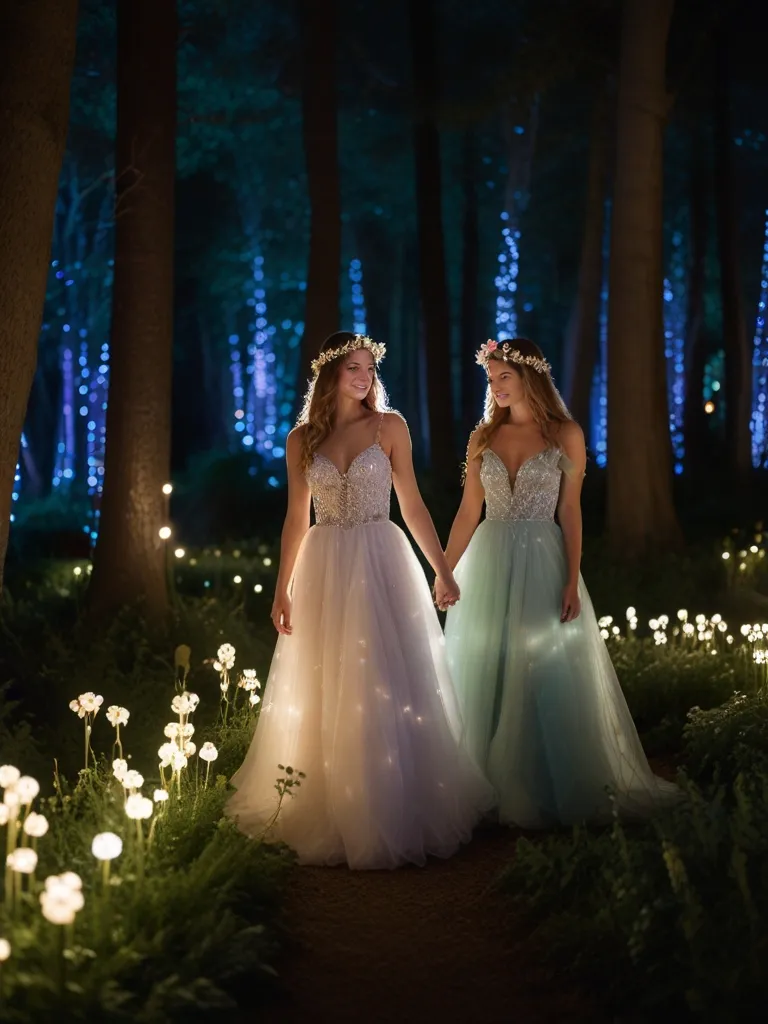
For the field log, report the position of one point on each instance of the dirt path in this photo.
(415, 945)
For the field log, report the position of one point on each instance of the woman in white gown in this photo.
(359, 697)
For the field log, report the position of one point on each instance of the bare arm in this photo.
(418, 520)
(294, 528)
(569, 511)
(470, 509)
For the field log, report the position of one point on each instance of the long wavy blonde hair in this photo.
(318, 413)
(548, 408)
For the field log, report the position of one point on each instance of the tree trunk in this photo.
(640, 509)
(695, 427)
(471, 377)
(432, 270)
(321, 317)
(37, 52)
(582, 335)
(130, 558)
(738, 363)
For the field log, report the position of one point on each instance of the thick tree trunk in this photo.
(321, 317)
(432, 270)
(738, 364)
(640, 513)
(695, 432)
(130, 558)
(473, 384)
(582, 335)
(37, 51)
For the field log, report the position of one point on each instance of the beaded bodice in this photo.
(359, 496)
(534, 492)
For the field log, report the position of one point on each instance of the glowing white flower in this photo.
(254, 699)
(248, 680)
(117, 715)
(160, 796)
(208, 752)
(62, 898)
(27, 789)
(106, 846)
(9, 776)
(226, 655)
(138, 807)
(223, 685)
(189, 748)
(184, 703)
(179, 760)
(172, 730)
(133, 779)
(119, 768)
(4, 814)
(74, 705)
(90, 702)
(165, 753)
(5, 950)
(36, 825)
(11, 798)
(188, 730)
(23, 860)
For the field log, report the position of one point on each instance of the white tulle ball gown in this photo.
(359, 697)
(544, 713)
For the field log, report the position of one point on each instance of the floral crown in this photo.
(509, 354)
(377, 350)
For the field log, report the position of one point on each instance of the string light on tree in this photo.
(599, 400)
(506, 281)
(674, 346)
(760, 368)
(358, 297)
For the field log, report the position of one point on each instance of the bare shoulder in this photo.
(293, 442)
(473, 445)
(394, 427)
(570, 437)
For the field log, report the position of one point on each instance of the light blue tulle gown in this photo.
(543, 710)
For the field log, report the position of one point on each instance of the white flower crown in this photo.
(377, 350)
(509, 354)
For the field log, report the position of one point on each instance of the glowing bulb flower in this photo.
(226, 655)
(4, 814)
(22, 859)
(189, 748)
(184, 703)
(248, 680)
(119, 768)
(36, 825)
(179, 760)
(9, 776)
(27, 789)
(132, 780)
(86, 704)
(208, 752)
(172, 730)
(160, 796)
(5, 950)
(106, 846)
(117, 716)
(11, 799)
(254, 699)
(138, 807)
(165, 753)
(62, 898)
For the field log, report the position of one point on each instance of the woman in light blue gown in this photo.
(543, 710)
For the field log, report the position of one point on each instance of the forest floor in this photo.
(437, 943)
(441, 943)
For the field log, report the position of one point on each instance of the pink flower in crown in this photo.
(485, 351)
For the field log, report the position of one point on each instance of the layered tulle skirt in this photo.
(543, 711)
(359, 699)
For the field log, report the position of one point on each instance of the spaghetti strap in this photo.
(378, 431)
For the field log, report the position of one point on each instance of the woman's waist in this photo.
(351, 523)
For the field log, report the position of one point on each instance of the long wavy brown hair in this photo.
(318, 413)
(548, 408)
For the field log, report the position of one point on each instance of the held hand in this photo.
(571, 606)
(281, 614)
(447, 592)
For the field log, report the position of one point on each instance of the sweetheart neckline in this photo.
(531, 458)
(376, 444)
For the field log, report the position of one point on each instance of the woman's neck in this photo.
(348, 410)
(520, 415)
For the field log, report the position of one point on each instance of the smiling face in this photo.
(356, 374)
(505, 382)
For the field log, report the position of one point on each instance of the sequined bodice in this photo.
(359, 496)
(535, 490)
